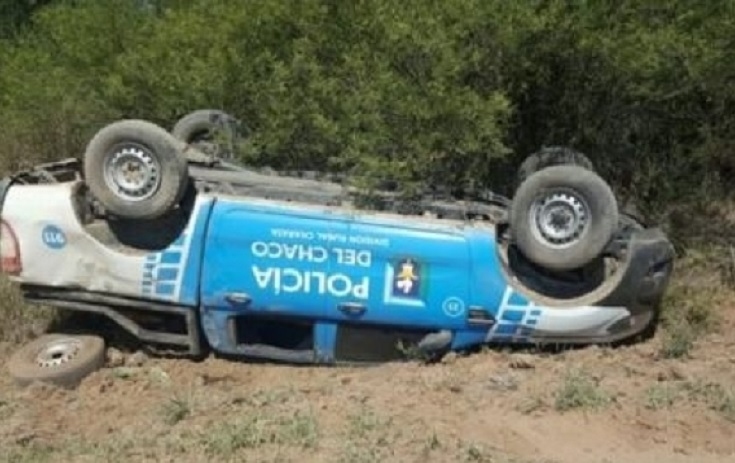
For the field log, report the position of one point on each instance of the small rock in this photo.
(503, 383)
(522, 362)
(136, 360)
(124, 372)
(455, 388)
(104, 385)
(645, 350)
(678, 374)
(449, 358)
(201, 380)
(158, 375)
(115, 358)
(26, 438)
(673, 373)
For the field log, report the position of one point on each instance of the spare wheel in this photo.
(59, 359)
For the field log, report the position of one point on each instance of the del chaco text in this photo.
(311, 253)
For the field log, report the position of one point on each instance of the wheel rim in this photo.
(58, 352)
(132, 172)
(559, 218)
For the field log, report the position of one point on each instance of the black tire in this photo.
(201, 129)
(84, 355)
(552, 156)
(561, 193)
(148, 144)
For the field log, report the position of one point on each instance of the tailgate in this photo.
(57, 250)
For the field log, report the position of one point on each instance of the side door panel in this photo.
(407, 274)
(267, 258)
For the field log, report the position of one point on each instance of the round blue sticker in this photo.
(453, 307)
(53, 237)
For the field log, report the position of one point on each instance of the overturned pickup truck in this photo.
(182, 247)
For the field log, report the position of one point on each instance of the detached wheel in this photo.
(203, 129)
(562, 217)
(136, 169)
(58, 359)
(552, 156)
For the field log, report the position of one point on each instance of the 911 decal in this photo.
(53, 237)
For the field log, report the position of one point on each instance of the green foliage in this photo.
(690, 306)
(418, 92)
(717, 397)
(580, 391)
(20, 321)
(638, 85)
(661, 396)
(15, 15)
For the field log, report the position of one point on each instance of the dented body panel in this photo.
(59, 252)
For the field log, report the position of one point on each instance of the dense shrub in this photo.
(454, 92)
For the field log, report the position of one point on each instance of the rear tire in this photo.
(562, 217)
(59, 359)
(136, 169)
(202, 130)
(552, 156)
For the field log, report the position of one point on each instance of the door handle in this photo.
(238, 298)
(352, 308)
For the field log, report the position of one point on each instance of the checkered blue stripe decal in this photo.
(163, 271)
(516, 318)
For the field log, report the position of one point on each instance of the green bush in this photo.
(421, 92)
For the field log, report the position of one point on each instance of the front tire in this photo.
(562, 217)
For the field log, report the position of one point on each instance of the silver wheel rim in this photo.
(59, 352)
(132, 172)
(559, 219)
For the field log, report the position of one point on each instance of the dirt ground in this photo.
(589, 405)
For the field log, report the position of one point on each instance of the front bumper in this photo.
(629, 308)
(646, 272)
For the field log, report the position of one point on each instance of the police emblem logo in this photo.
(407, 278)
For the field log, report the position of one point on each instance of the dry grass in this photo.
(281, 423)
(21, 321)
(692, 307)
(580, 390)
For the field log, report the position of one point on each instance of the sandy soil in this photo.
(589, 405)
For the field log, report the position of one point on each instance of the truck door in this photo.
(267, 258)
(408, 273)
